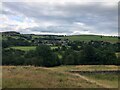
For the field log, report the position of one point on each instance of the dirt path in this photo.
(91, 81)
(84, 78)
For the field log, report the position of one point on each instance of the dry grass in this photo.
(86, 67)
(39, 77)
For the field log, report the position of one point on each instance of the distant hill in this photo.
(86, 38)
(10, 33)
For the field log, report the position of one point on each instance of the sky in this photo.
(60, 17)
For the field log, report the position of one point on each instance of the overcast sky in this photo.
(60, 17)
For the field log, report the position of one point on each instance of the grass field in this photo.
(24, 48)
(57, 77)
(27, 48)
(87, 38)
(34, 36)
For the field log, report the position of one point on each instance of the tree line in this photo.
(87, 54)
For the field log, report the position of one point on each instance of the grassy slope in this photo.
(38, 77)
(91, 37)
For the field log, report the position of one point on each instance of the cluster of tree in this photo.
(27, 40)
(15, 42)
(41, 56)
(90, 55)
(12, 57)
(78, 45)
(44, 56)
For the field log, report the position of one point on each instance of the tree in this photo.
(105, 56)
(68, 58)
(74, 45)
(48, 56)
(88, 55)
(37, 61)
(77, 58)
(5, 44)
(63, 48)
(12, 57)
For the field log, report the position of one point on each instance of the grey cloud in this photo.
(70, 11)
(93, 14)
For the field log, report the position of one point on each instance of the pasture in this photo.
(27, 48)
(88, 38)
(24, 48)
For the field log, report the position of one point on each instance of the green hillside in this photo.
(91, 37)
(86, 38)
